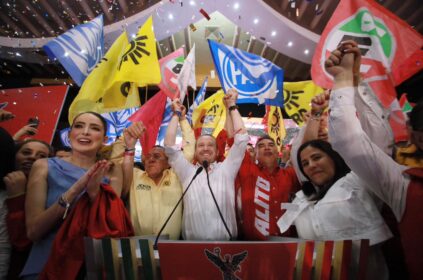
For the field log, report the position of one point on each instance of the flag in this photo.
(197, 101)
(256, 79)
(95, 90)
(404, 104)
(138, 64)
(64, 137)
(116, 122)
(210, 115)
(151, 114)
(391, 49)
(167, 115)
(398, 122)
(170, 67)
(79, 49)
(298, 97)
(274, 125)
(187, 75)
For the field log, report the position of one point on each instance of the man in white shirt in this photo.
(201, 219)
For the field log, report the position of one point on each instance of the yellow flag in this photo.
(98, 85)
(297, 98)
(210, 114)
(276, 126)
(138, 64)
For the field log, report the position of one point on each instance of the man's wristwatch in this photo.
(233, 107)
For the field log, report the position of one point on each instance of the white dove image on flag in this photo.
(256, 79)
(79, 49)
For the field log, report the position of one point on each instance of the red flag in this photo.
(170, 67)
(151, 114)
(391, 50)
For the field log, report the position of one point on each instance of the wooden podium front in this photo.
(134, 258)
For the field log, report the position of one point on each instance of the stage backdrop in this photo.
(44, 103)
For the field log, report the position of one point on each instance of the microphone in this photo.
(206, 165)
(176, 206)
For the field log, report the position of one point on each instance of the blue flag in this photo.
(64, 137)
(116, 122)
(79, 49)
(256, 79)
(167, 115)
(197, 101)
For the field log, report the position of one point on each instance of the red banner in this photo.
(230, 260)
(43, 103)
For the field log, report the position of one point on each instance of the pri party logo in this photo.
(375, 40)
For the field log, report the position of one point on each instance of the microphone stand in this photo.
(206, 165)
(176, 206)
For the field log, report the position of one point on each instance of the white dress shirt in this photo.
(347, 211)
(201, 220)
(374, 120)
(382, 174)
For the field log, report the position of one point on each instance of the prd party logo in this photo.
(252, 77)
(375, 40)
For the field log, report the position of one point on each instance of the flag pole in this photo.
(146, 91)
(188, 99)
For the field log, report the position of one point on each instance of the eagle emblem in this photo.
(228, 265)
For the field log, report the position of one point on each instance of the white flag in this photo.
(187, 75)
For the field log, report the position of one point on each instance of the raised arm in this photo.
(378, 170)
(316, 125)
(130, 136)
(170, 138)
(188, 136)
(237, 123)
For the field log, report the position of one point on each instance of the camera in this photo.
(34, 122)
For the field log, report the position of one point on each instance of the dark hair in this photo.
(20, 144)
(341, 168)
(100, 117)
(264, 137)
(416, 117)
(7, 158)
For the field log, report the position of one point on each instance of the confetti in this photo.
(212, 74)
(263, 38)
(193, 28)
(205, 14)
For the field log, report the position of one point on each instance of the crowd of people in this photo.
(342, 172)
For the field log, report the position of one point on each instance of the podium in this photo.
(134, 258)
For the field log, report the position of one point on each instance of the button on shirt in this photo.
(151, 204)
(201, 220)
(347, 211)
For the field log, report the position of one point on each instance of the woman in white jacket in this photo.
(334, 205)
